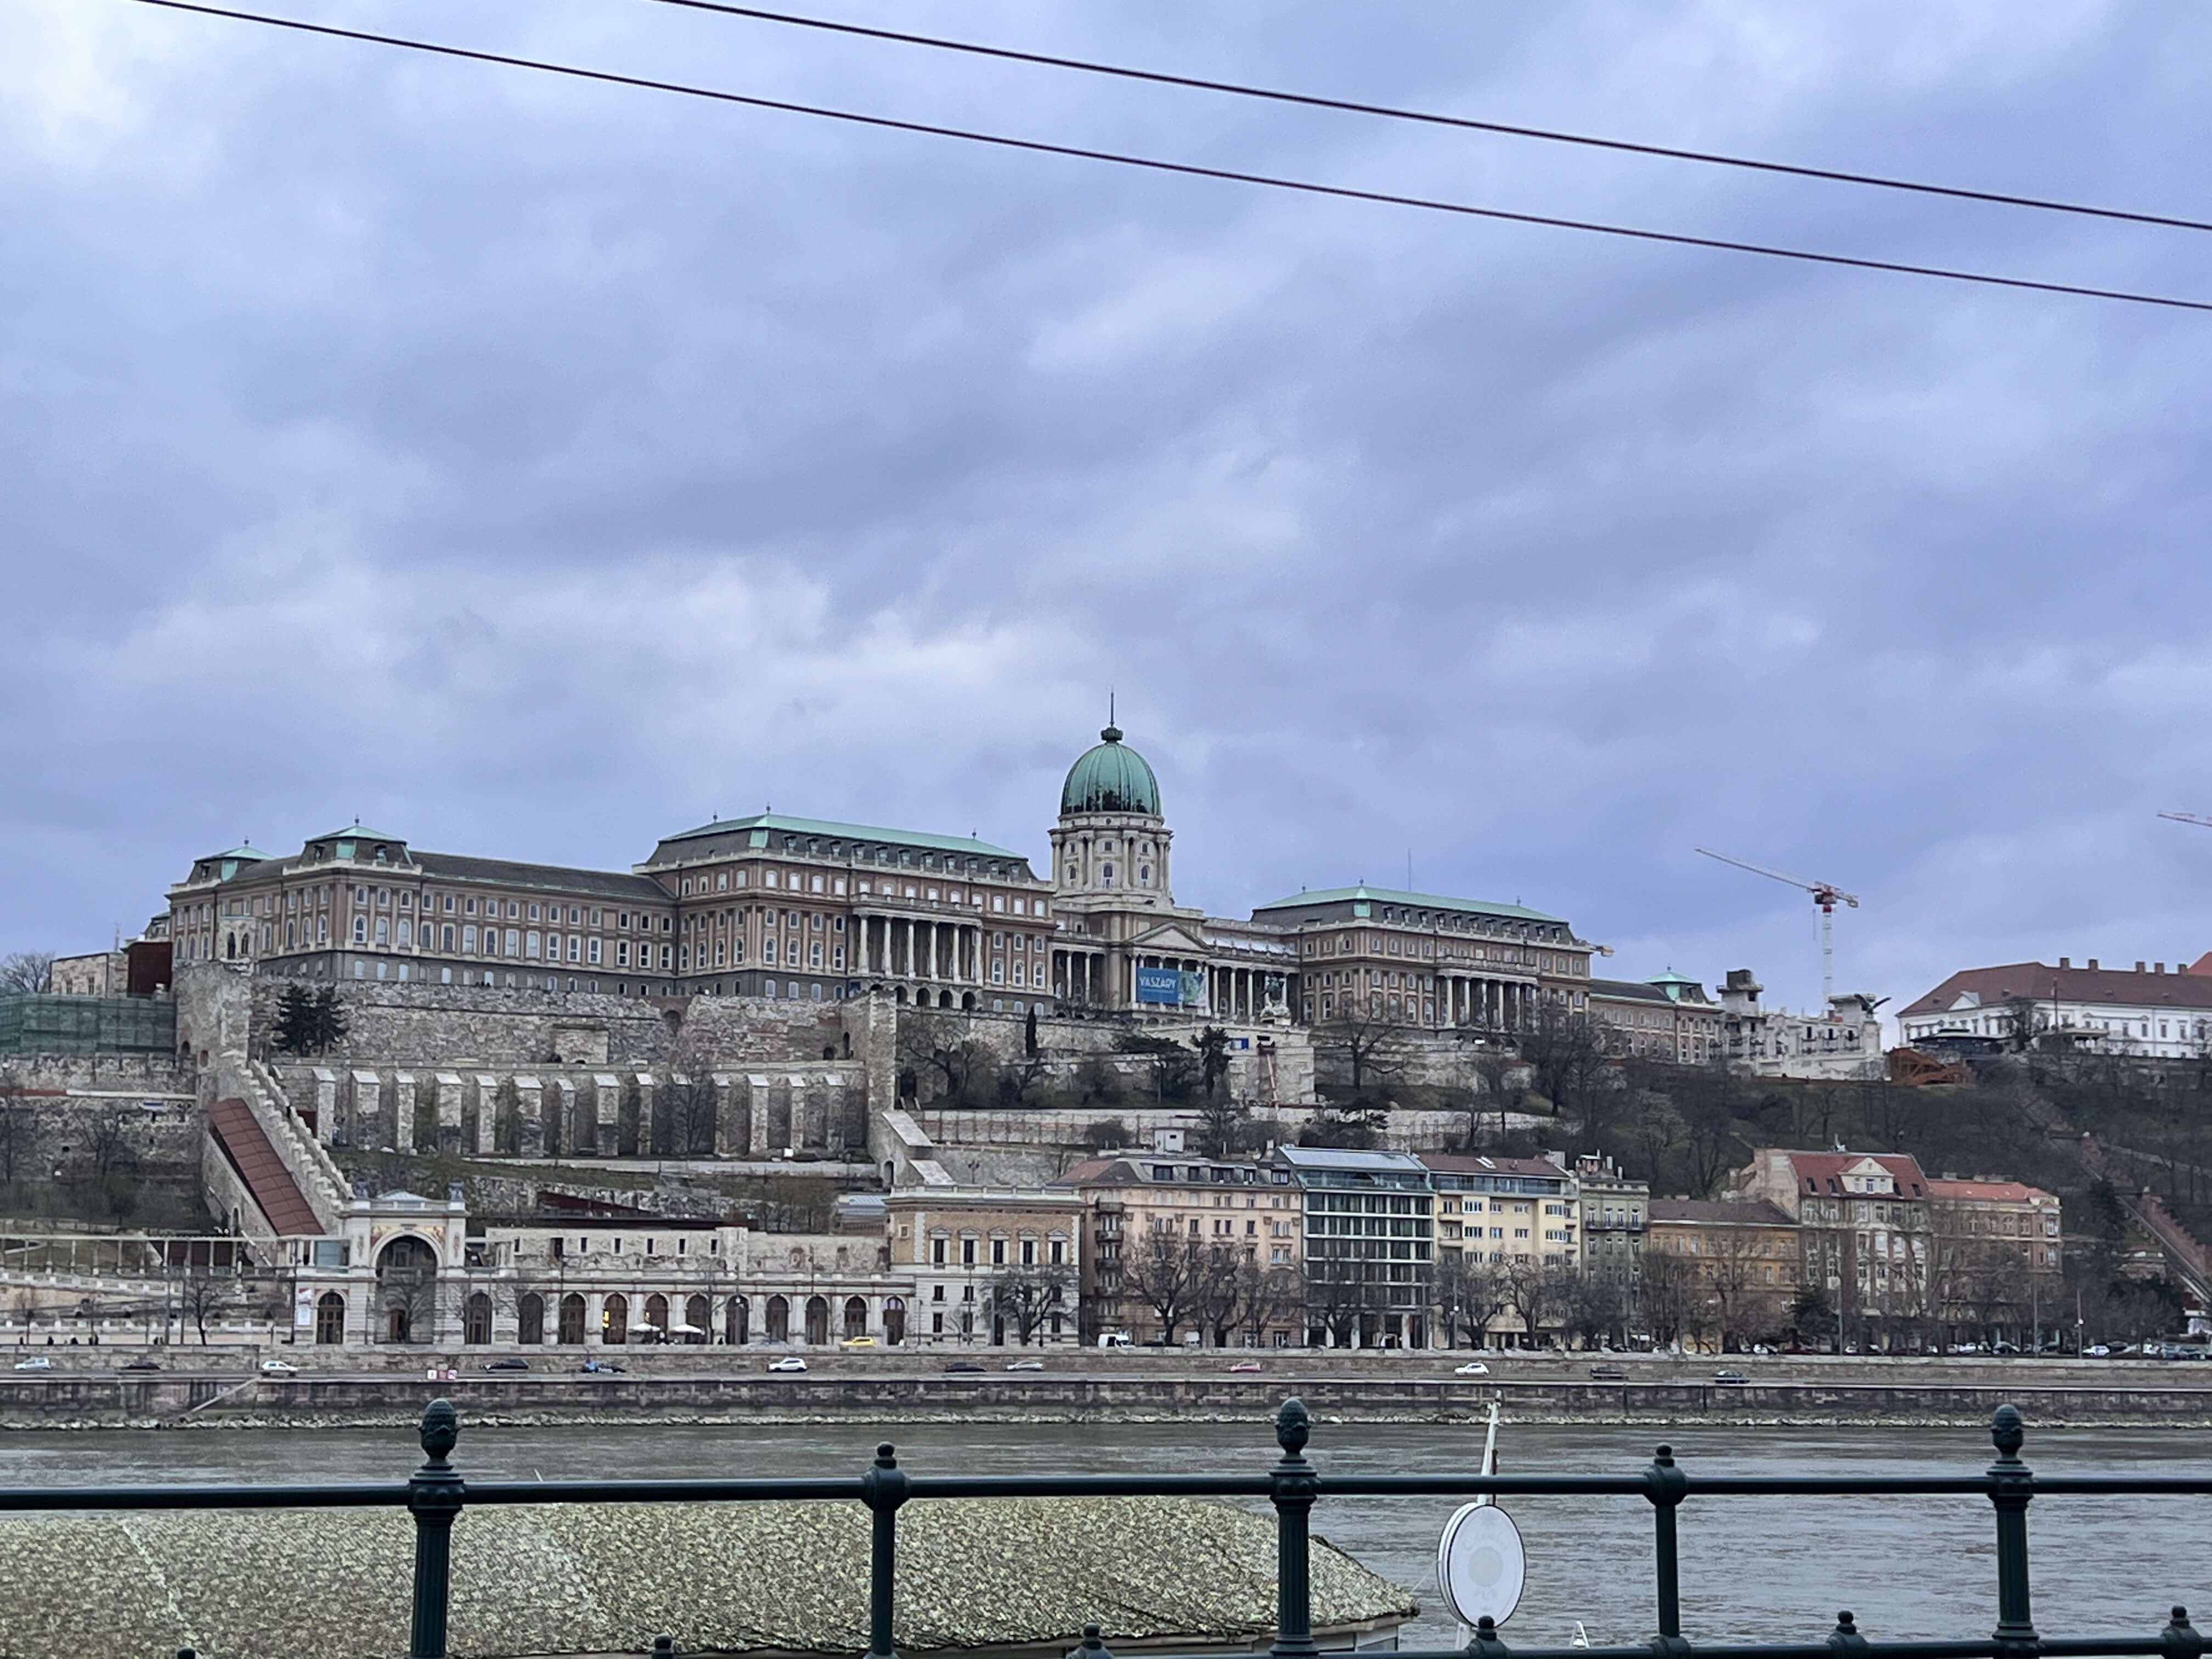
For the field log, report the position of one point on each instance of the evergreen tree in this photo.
(327, 1022)
(295, 1019)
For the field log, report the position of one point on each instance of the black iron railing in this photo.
(436, 1495)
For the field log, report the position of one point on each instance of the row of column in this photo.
(756, 1117)
(920, 947)
(1499, 1004)
(1079, 976)
(1242, 992)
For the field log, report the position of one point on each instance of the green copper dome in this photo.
(1110, 778)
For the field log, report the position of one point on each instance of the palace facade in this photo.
(782, 907)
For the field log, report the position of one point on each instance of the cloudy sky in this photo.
(532, 468)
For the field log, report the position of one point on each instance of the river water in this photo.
(1751, 1568)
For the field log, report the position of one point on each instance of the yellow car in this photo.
(858, 1342)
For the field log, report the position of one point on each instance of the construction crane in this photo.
(1827, 895)
(2188, 817)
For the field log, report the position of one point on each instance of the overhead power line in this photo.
(1187, 169)
(1429, 118)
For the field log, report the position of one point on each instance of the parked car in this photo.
(1244, 1368)
(962, 1366)
(790, 1362)
(268, 1367)
(599, 1367)
(1733, 1379)
(1608, 1373)
(510, 1363)
(858, 1342)
(1473, 1368)
(2098, 1351)
(1761, 1348)
(140, 1365)
(40, 1362)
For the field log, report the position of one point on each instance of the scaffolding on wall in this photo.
(87, 1025)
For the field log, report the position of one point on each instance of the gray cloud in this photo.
(534, 469)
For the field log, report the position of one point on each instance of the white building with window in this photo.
(2149, 1010)
(991, 1267)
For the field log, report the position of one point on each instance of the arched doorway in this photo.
(614, 1320)
(407, 1289)
(856, 1316)
(656, 1315)
(894, 1320)
(735, 1318)
(330, 1318)
(530, 1318)
(698, 1315)
(572, 1318)
(476, 1326)
(779, 1320)
(818, 1320)
(967, 1001)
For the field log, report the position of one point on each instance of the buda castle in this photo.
(772, 906)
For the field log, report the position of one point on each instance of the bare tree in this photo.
(27, 973)
(2020, 1023)
(202, 1297)
(1567, 1050)
(1466, 1295)
(932, 1048)
(1168, 1273)
(1026, 1299)
(1536, 1290)
(1368, 1044)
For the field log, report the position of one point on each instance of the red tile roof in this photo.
(2122, 987)
(238, 1134)
(1821, 1168)
(1984, 1192)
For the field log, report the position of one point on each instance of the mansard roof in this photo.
(554, 877)
(758, 829)
(1416, 900)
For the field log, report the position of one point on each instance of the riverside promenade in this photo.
(705, 1385)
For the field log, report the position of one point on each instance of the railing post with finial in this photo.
(1847, 1639)
(434, 1496)
(1486, 1643)
(1292, 1487)
(1092, 1646)
(2011, 1486)
(883, 1489)
(2179, 1640)
(1664, 1484)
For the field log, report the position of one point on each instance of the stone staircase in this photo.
(305, 1158)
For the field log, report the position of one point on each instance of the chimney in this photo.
(2139, 967)
(2093, 964)
(2065, 962)
(2158, 967)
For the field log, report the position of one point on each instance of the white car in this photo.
(1026, 1365)
(1473, 1368)
(790, 1362)
(40, 1364)
(279, 1368)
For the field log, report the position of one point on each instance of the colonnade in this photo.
(920, 947)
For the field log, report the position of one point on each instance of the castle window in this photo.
(1106, 875)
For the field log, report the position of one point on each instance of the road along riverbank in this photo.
(884, 1396)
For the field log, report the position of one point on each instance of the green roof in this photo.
(245, 850)
(1419, 901)
(778, 822)
(357, 832)
(1110, 777)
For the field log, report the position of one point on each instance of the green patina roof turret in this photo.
(1110, 777)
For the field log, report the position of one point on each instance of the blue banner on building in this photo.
(1159, 985)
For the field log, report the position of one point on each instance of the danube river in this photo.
(1751, 1567)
